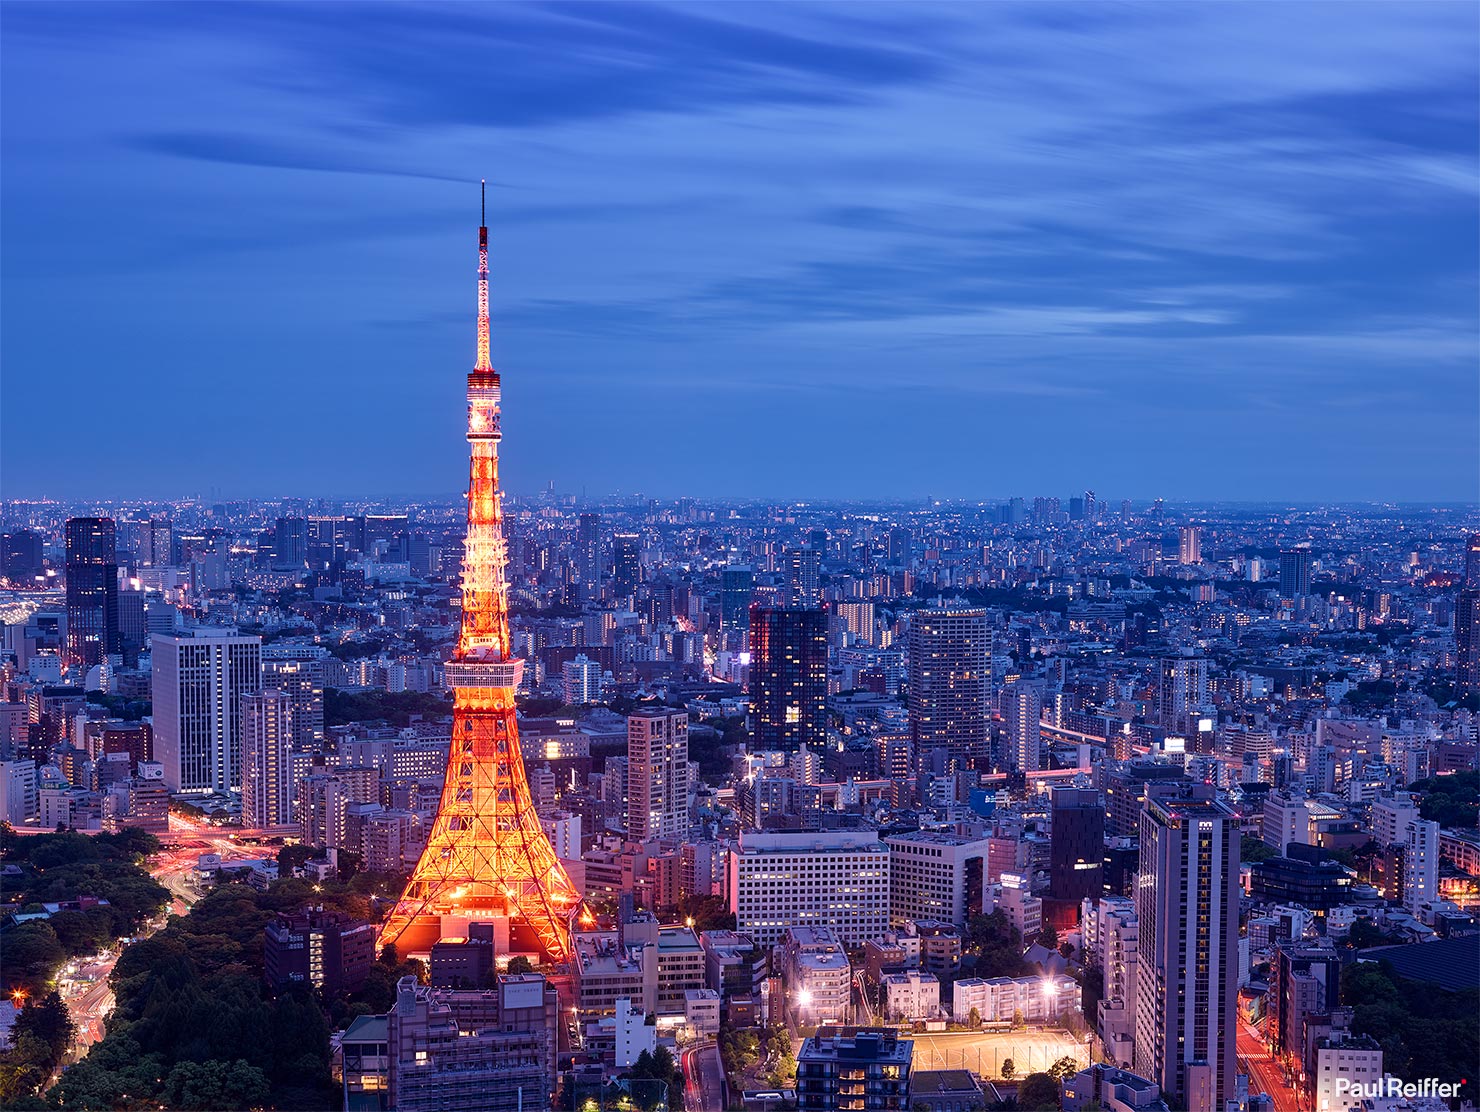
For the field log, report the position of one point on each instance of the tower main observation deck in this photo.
(486, 855)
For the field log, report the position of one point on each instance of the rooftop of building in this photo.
(944, 1081)
(869, 1044)
(675, 938)
(973, 981)
(1180, 808)
(813, 936)
(934, 838)
(1348, 1041)
(909, 976)
(835, 841)
(931, 928)
(599, 951)
(827, 961)
(657, 712)
(726, 940)
(368, 1029)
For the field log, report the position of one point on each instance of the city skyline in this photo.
(1015, 246)
(1026, 652)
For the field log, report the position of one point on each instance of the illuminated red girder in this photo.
(486, 854)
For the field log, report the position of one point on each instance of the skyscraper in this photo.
(1187, 906)
(1022, 711)
(1183, 687)
(486, 856)
(580, 681)
(267, 782)
(1190, 549)
(1467, 622)
(657, 773)
(788, 678)
(92, 591)
(626, 563)
(588, 554)
(1294, 572)
(301, 682)
(21, 556)
(291, 542)
(1076, 853)
(803, 577)
(199, 679)
(736, 590)
(950, 677)
(1420, 870)
(857, 620)
(900, 543)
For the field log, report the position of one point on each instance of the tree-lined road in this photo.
(703, 1075)
(86, 992)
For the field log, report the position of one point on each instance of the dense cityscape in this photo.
(980, 611)
(974, 803)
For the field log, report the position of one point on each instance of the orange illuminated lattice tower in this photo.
(486, 855)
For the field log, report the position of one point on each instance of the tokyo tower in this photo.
(486, 855)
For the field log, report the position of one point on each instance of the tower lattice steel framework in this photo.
(486, 854)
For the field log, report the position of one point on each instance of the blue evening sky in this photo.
(1194, 251)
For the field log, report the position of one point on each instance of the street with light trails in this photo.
(1266, 1075)
(704, 1082)
(84, 983)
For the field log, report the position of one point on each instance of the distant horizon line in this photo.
(617, 500)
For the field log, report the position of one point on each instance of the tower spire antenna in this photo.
(483, 363)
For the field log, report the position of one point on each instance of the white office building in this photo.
(635, 1035)
(935, 875)
(1345, 1070)
(911, 995)
(199, 679)
(1391, 815)
(1024, 910)
(1004, 999)
(834, 879)
(1022, 708)
(19, 800)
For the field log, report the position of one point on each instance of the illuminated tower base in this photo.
(486, 855)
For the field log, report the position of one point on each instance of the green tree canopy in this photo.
(1451, 800)
(1038, 1093)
